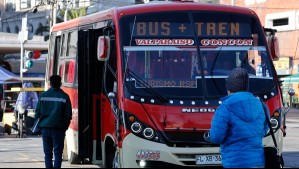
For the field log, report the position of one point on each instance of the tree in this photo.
(76, 13)
(72, 14)
(43, 29)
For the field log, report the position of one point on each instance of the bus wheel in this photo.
(110, 154)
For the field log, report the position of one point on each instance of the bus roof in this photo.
(117, 12)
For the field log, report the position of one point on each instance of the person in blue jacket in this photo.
(239, 124)
(54, 110)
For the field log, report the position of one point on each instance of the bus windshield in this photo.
(190, 54)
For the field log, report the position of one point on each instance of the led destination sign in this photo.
(190, 42)
(164, 42)
(202, 29)
(210, 34)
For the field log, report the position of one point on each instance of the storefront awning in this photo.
(291, 79)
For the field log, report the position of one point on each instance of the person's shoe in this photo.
(14, 126)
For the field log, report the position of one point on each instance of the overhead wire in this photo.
(6, 20)
(41, 4)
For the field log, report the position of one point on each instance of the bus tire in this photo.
(110, 154)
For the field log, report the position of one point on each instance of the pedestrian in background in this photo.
(239, 124)
(55, 112)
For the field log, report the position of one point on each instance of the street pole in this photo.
(21, 62)
(54, 12)
(51, 14)
(23, 37)
(66, 10)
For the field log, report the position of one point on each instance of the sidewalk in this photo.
(27, 153)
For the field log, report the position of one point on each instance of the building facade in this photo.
(39, 12)
(284, 17)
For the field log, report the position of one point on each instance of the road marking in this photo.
(292, 123)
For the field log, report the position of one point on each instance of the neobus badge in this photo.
(198, 110)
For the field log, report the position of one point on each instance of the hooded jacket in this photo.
(239, 125)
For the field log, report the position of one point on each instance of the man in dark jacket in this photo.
(54, 110)
(239, 124)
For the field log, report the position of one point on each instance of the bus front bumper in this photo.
(140, 153)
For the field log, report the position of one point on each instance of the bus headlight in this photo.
(274, 123)
(148, 133)
(136, 127)
(141, 129)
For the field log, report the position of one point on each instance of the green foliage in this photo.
(76, 13)
(72, 14)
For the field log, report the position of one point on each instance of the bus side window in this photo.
(54, 54)
(70, 58)
(69, 75)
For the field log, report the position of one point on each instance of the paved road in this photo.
(28, 153)
(291, 141)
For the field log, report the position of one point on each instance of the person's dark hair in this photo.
(238, 80)
(55, 81)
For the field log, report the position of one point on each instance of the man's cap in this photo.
(238, 80)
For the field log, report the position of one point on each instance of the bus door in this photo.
(90, 75)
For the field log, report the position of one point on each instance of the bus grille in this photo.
(187, 139)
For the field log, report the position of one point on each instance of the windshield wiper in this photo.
(141, 82)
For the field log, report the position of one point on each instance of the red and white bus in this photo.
(145, 80)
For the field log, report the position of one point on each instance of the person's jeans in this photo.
(53, 139)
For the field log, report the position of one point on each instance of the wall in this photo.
(268, 10)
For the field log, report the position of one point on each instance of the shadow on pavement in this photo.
(291, 159)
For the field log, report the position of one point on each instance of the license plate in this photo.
(208, 159)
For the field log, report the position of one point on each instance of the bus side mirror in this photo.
(103, 48)
(274, 48)
(273, 43)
